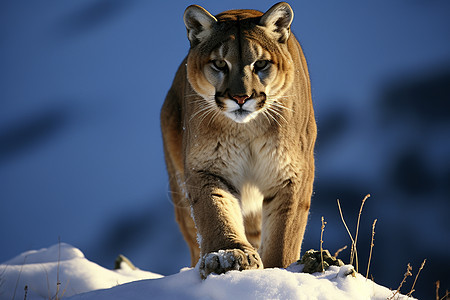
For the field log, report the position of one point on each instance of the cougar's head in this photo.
(239, 61)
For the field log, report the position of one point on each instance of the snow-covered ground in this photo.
(80, 279)
(82, 83)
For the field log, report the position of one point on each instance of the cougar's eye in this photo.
(260, 65)
(220, 64)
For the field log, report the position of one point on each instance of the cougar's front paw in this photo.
(227, 260)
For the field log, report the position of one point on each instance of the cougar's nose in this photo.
(240, 99)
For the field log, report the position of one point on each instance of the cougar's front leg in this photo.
(284, 222)
(219, 222)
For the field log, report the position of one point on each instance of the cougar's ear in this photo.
(199, 23)
(278, 20)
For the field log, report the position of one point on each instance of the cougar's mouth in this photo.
(240, 112)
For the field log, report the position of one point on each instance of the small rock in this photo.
(312, 261)
(122, 262)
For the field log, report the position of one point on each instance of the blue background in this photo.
(82, 83)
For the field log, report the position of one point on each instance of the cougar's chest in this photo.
(252, 161)
(256, 165)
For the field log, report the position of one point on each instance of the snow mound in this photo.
(85, 280)
(251, 284)
(40, 270)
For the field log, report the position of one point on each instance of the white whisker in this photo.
(264, 113)
(201, 111)
(214, 116)
(273, 110)
(279, 105)
(208, 112)
(197, 95)
(268, 111)
(201, 101)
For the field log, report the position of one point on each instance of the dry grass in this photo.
(409, 273)
(321, 242)
(339, 251)
(415, 279)
(353, 252)
(371, 248)
(438, 285)
(346, 227)
(18, 277)
(58, 294)
(447, 293)
(406, 275)
(26, 292)
(58, 282)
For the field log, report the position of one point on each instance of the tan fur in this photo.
(244, 175)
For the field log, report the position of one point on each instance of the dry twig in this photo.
(371, 247)
(415, 279)
(339, 251)
(447, 294)
(438, 285)
(321, 242)
(354, 253)
(345, 225)
(58, 283)
(18, 278)
(25, 292)
(407, 273)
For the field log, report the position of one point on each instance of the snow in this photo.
(81, 279)
(39, 271)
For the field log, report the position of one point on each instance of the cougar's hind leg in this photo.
(183, 213)
(187, 228)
